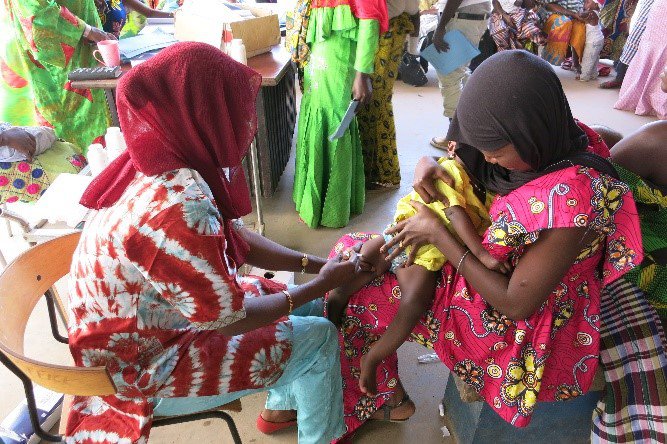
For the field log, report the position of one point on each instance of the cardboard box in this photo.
(259, 33)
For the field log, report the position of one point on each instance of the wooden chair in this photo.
(26, 280)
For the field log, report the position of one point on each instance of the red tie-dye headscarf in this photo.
(191, 106)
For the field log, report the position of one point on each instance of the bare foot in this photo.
(278, 416)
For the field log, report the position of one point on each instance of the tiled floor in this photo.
(419, 117)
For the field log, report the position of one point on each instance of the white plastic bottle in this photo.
(237, 51)
(115, 142)
(97, 158)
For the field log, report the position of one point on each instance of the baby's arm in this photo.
(468, 233)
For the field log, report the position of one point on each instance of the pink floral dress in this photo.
(150, 284)
(550, 356)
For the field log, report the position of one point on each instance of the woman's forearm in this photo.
(261, 311)
(265, 253)
(491, 285)
(141, 8)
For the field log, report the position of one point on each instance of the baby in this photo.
(594, 42)
(464, 214)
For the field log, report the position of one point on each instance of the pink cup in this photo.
(108, 50)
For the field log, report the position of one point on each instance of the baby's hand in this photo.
(492, 263)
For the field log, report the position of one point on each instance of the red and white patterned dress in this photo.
(150, 283)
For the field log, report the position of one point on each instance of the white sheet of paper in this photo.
(345, 123)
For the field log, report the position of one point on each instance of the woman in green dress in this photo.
(342, 36)
(40, 43)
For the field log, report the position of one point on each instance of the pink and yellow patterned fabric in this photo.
(150, 283)
(550, 356)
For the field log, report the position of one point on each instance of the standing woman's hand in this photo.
(95, 35)
(362, 89)
(427, 172)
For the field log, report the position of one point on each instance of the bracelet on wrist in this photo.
(304, 263)
(463, 257)
(290, 301)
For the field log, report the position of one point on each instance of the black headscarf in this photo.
(515, 97)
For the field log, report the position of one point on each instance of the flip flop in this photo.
(386, 409)
(611, 84)
(603, 70)
(269, 428)
(435, 143)
(567, 64)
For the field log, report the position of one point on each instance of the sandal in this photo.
(603, 70)
(386, 409)
(611, 84)
(567, 64)
(440, 143)
(269, 428)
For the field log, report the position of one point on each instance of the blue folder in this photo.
(461, 51)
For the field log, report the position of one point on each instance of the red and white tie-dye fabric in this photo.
(150, 285)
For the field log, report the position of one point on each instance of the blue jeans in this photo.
(311, 383)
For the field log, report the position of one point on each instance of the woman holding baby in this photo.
(562, 225)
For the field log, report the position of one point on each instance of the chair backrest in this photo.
(22, 283)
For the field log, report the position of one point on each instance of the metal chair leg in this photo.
(53, 320)
(30, 400)
(170, 420)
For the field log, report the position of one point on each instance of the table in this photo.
(276, 112)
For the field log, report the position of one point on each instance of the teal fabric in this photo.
(314, 366)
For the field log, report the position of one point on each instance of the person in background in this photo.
(615, 19)
(30, 160)
(40, 43)
(470, 18)
(114, 14)
(648, 182)
(640, 92)
(566, 30)
(342, 38)
(594, 42)
(630, 47)
(513, 25)
(376, 121)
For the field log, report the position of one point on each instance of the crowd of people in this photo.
(466, 267)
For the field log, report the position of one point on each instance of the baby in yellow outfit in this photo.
(461, 195)
(464, 214)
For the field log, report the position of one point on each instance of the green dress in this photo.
(329, 177)
(651, 276)
(40, 43)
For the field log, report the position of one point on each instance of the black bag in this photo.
(410, 70)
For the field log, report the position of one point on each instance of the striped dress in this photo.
(637, 27)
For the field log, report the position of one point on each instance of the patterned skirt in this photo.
(563, 32)
(376, 122)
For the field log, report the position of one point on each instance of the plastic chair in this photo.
(26, 280)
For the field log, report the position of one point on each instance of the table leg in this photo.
(111, 103)
(254, 165)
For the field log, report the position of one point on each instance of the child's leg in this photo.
(338, 297)
(589, 62)
(576, 63)
(417, 291)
